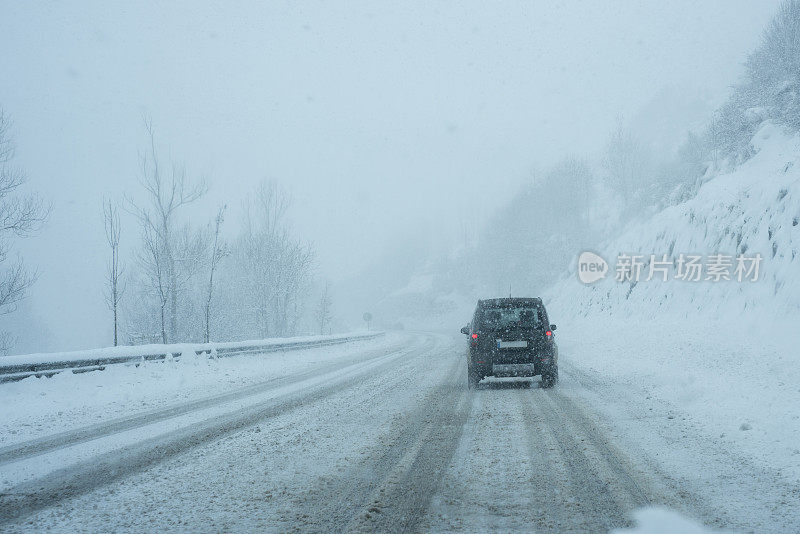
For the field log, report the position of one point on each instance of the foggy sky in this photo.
(378, 119)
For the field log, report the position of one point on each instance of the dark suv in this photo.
(511, 337)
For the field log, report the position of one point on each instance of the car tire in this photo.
(550, 377)
(472, 378)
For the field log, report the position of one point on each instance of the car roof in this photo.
(509, 301)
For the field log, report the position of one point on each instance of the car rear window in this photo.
(509, 316)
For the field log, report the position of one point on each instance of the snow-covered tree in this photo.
(273, 267)
(626, 165)
(770, 89)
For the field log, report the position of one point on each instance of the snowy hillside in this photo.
(753, 210)
(723, 354)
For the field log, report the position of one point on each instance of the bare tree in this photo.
(114, 289)
(158, 217)
(323, 312)
(7, 341)
(153, 263)
(20, 216)
(218, 251)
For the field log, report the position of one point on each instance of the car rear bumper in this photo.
(512, 357)
(513, 363)
(513, 369)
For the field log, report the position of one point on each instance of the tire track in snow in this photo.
(590, 494)
(29, 497)
(534, 459)
(550, 469)
(391, 487)
(603, 484)
(400, 502)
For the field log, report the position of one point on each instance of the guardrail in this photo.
(13, 368)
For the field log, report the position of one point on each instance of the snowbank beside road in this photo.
(132, 351)
(42, 406)
(723, 354)
(741, 389)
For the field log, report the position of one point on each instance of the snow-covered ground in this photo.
(374, 436)
(656, 520)
(741, 385)
(41, 406)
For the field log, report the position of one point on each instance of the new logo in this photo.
(591, 267)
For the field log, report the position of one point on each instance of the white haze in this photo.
(384, 122)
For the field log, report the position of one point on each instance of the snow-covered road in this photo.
(379, 436)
